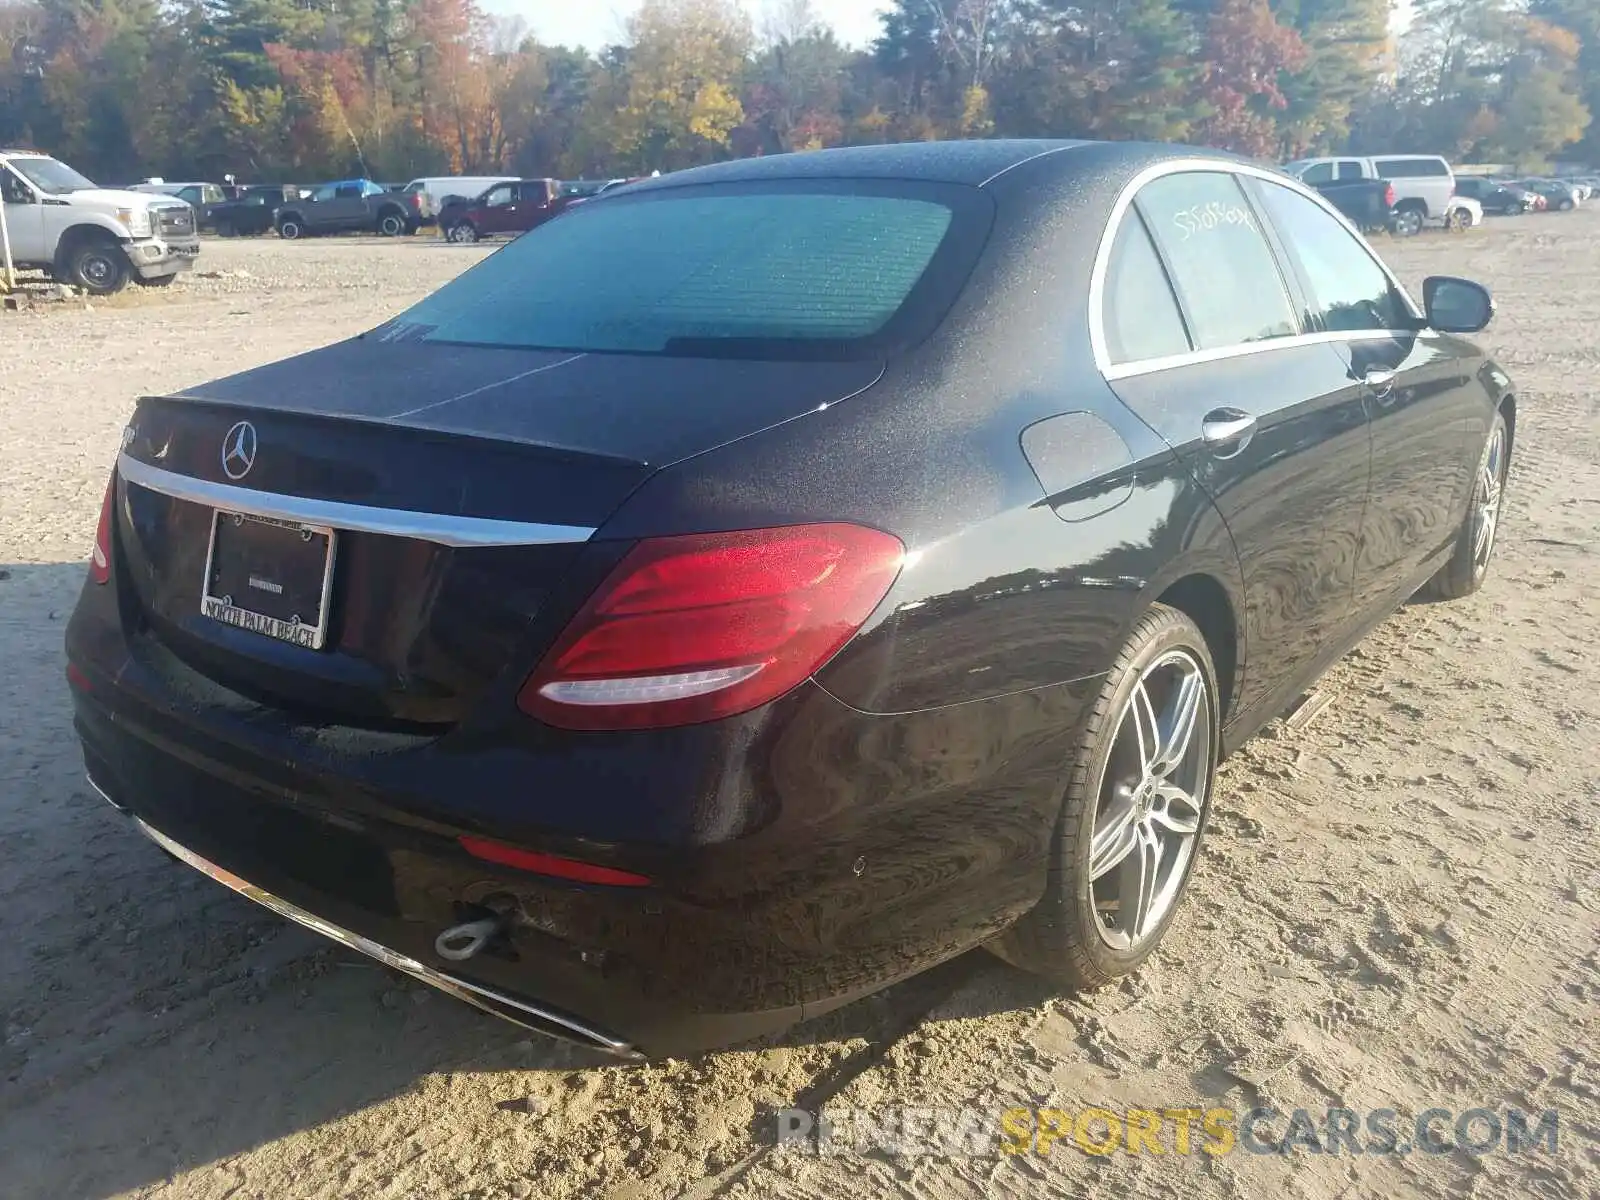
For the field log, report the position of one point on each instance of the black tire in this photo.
(290, 228)
(391, 222)
(1407, 220)
(98, 266)
(1566, 206)
(463, 232)
(225, 229)
(1469, 561)
(1458, 220)
(1064, 938)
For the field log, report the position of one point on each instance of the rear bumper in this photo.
(519, 1012)
(829, 858)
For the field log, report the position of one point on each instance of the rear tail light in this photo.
(704, 626)
(100, 558)
(550, 864)
(1388, 195)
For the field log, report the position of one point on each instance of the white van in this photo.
(434, 190)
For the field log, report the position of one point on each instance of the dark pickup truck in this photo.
(350, 206)
(1368, 203)
(252, 210)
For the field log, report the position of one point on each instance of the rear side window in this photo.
(1350, 292)
(1318, 173)
(1350, 170)
(1142, 320)
(1223, 269)
(747, 272)
(1412, 168)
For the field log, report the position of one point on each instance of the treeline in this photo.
(308, 89)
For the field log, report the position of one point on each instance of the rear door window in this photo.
(1221, 265)
(1412, 168)
(1141, 314)
(1350, 169)
(766, 271)
(1318, 173)
(1350, 292)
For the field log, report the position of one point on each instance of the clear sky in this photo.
(595, 23)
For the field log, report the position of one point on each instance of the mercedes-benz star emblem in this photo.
(239, 450)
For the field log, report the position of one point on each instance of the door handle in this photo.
(1227, 431)
(1380, 382)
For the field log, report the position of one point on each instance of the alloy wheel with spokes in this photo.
(1490, 484)
(1133, 813)
(1151, 800)
(1468, 565)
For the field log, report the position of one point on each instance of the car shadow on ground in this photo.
(156, 1022)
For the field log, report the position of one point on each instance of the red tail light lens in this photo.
(690, 629)
(1388, 195)
(550, 864)
(100, 558)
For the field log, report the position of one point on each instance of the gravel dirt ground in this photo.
(1398, 906)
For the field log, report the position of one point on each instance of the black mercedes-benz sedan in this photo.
(767, 581)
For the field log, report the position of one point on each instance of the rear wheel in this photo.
(1566, 206)
(1458, 220)
(391, 224)
(290, 228)
(1407, 221)
(463, 232)
(1469, 563)
(1136, 802)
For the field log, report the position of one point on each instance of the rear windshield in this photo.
(756, 272)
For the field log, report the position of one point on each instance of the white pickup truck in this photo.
(95, 238)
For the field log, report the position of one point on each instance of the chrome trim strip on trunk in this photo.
(473, 994)
(394, 522)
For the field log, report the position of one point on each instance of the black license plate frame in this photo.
(275, 579)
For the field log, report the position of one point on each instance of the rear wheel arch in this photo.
(1205, 601)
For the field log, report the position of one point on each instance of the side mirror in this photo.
(1456, 305)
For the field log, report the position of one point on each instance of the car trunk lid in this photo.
(461, 487)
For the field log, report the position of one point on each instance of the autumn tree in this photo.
(676, 100)
(1247, 54)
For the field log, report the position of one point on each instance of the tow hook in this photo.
(461, 942)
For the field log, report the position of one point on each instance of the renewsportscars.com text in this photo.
(977, 1132)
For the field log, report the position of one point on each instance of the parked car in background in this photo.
(1423, 183)
(1368, 204)
(758, 587)
(349, 206)
(435, 191)
(1558, 196)
(253, 210)
(95, 238)
(511, 206)
(1497, 195)
(1463, 213)
(202, 197)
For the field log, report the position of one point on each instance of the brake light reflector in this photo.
(703, 626)
(550, 864)
(100, 557)
(1388, 195)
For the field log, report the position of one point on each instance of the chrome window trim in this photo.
(1102, 261)
(440, 528)
(1149, 366)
